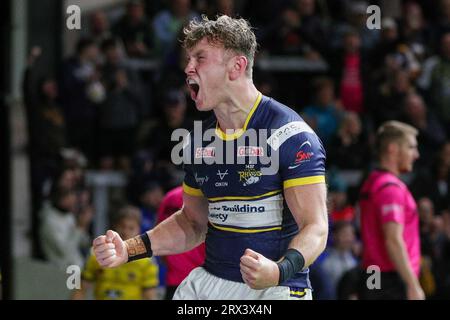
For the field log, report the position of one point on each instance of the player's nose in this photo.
(190, 68)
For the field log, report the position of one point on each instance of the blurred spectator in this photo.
(173, 78)
(432, 239)
(74, 160)
(435, 183)
(159, 138)
(75, 163)
(355, 14)
(134, 29)
(120, 112)
(348, 69)
(404, 58)
(414, 30)
(392, 55)
(390, 96)
(62, 176)
(80, 92)
(99, 27)
(152, 7)
(339, 207)
(336, 9)
(348, 285)
(261, 15)
(150, 197)
(442, 24)
(431, 134)
(349, 149)
(435, 80)
(65, 179)
(323, 115)
(179, 265)
(444, 154)
(443, 274)
(132, 281)
(143, 170)
(45, 117)
(172, 72)
(312, 25)
(319, 279)
(46, 135)
(292, 32)
(219, 7)
(357, 19)
(266, 83)
(429, 227)
(387, 44)
(71, 175)
(168, 23)
(284, 37)
(63, 235)
(340, 258)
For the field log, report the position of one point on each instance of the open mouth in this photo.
(194, 88)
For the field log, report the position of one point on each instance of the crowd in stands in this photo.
(116, 100)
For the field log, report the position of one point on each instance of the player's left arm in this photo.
(308, 206)
(302, 168)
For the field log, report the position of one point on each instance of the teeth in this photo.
(191, 81)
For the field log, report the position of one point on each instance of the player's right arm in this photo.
(181, 232)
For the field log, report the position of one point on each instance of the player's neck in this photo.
(232, 114)
(389, 165)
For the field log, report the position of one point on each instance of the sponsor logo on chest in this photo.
(249, 175)
(207, 152)
(201, 180)
(221, 175)
(245, 151)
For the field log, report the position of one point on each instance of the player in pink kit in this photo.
(389, 218)
(179, 265)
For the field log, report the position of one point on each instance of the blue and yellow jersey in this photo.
(245, 194)
(125, 282)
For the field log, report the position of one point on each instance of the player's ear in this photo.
(238, 66)
(393, 148)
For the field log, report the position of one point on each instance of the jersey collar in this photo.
(235, 135)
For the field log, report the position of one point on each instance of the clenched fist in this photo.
(110, 250)
(257, 271)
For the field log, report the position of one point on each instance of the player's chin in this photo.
(407, 169)
(202, 106)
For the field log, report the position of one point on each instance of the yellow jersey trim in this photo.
(192, 191)
(303, 181)
(245, 230)
(227, 137)
(245, 197)
(297, 294)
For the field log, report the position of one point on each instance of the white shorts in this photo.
(202, 285)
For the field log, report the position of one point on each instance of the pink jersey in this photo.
(179, 265)
(385, 198)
